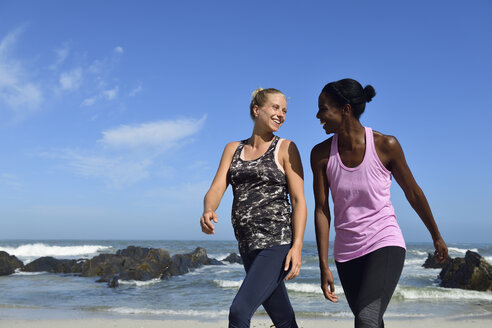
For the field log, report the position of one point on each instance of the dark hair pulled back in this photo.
(349, 91)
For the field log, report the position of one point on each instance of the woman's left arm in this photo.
(291, 161)
(398, 166)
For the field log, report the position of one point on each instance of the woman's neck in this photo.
(351, 134)
(259, 138)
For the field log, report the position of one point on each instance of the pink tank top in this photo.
(364, 217)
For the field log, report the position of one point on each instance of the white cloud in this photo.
(161, 134)
(89, 101)
(16, 90)
(61, 55)
(71, 80)
(11, 181)
(132, 152)
(111, 94)
(188, 192)
(118, 50)
(115, 171)
(135, 91)
(22, 97)
(97, 67)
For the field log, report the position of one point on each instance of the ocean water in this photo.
(206, 293)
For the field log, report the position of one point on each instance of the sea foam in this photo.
(291, 286)
(461, 251)
(30, 252)
(185, 313)
(140, 283)
(440, 293)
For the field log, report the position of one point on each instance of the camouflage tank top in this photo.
(261, 213)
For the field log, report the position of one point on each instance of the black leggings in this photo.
(369, 282)
(263, 285)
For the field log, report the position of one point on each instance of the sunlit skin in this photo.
(351, 148)
(267, 120)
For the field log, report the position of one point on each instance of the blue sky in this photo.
(114, 114)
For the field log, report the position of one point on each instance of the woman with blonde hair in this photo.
(264, 171)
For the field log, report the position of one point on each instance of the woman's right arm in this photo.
(217, 189)
(322, 218)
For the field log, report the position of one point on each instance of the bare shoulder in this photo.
(231, 147)
(322, 150)
(385, 142)
(286, 145)
(288, 150)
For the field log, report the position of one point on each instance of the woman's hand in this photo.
(441, 253)
(293, 260)
(328, 285)
(206, 222)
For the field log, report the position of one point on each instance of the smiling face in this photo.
(329, 114)
(272, 114)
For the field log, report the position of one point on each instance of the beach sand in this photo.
(258, 323)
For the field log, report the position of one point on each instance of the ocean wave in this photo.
(187, 313)
(30, 252)
(227, 270)
(461, 251)
(418, 262)
(417, 252)
(291, 286)
(430, 293)
(228, 283)
(402, 292)
(218, 256)
(310, 268)
(23, 273)
(334, 314)
(310, 288)
(396, 315)
(140, 283)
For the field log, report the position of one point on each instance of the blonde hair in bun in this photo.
(259, 98)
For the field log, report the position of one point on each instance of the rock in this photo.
(431, 262)
(182, 263)
(103, 279)
(151, 267)
(131, 263)
(8, 263)
(105, 265)
(135, 252)
(472, 272)
(113, 283)
(214, 262)
(233, 258)
(50, 264)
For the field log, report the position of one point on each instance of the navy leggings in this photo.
(263, 285)
(369, 282)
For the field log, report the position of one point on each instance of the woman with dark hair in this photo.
(264, 171)
(356, 164)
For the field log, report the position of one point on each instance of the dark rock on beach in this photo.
(50, 264)
(233, 258)
(131, 263)
(149, 267)
(472, 272)
(182, 263)
(113, 283)
(431, 262)
(8, 263)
